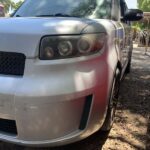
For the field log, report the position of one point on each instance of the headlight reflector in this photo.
(65, 48)
(49, 52)
(84, 45)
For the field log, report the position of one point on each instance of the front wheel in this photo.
(128, 69)
(112, 104)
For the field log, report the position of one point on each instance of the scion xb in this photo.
(61, 63)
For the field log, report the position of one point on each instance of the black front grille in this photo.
(8, 127)
(12, 63)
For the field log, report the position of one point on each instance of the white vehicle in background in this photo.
(61, 63)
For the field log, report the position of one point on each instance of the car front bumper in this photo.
(48, 102)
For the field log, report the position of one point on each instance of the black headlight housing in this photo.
(61, 47)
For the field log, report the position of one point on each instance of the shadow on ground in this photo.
(134, 109)
(148, 135)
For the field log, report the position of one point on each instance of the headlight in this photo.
(65, 48)
(61, 47)
(84, 45)
(48, 52)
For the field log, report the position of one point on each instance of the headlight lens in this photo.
(84, 45)
(61, 47)
(65, 48)
(48, 53)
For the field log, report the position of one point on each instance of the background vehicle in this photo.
(61, 68)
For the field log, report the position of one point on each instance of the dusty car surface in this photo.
(61, 63)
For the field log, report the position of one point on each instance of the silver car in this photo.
(61, 63)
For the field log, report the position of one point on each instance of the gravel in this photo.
(131, 130)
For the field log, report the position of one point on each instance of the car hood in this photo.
(23, 35)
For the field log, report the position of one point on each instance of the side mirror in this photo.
(133, 15)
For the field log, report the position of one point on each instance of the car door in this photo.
(121, 33)
(126, 45)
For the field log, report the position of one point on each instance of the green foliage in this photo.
(136, 27)
(8, 3)
(17, 5)
(141, 25)
(144, 5)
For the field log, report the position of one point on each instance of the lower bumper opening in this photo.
(8, 127)
(86, 112)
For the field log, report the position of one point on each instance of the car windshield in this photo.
(65, 8)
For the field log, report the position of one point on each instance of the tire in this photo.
(107, 125)
(128, 68)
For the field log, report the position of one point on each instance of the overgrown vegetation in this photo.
(144, 5)
(9, 3)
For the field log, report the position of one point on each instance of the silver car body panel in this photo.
(48, 101)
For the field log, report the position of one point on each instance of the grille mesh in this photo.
(12, 63)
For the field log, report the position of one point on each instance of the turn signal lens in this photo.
(99, 44)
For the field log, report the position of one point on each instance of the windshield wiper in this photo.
(18, 16)
(56, 15)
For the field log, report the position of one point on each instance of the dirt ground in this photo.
(131, 130)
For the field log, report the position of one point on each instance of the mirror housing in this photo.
(133, 15)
